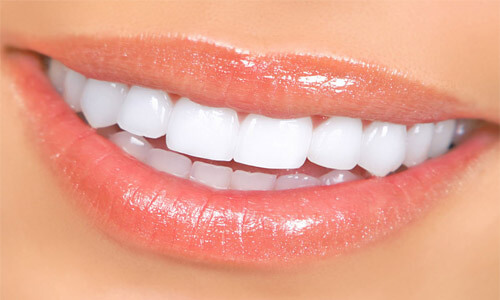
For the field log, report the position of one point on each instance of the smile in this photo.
(221, 134)
(210, 153)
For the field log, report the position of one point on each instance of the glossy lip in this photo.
(152, 210)
(281, 85)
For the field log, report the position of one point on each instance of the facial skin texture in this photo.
(49, 250)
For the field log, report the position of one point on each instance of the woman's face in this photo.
(448, 250)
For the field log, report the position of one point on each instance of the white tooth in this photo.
(202, 131)
(134, 145)
(101, 101)
(57, 73)
(73, 88)
(295, 181)
(418, 142)
(273, 143)
(247, 181)
(338, 176)
(169, 162)
(145, 112)
(462, 129)
(218, 177)
(441, 140)
(383, 148)
(336, 143)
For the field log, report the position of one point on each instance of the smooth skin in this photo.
(51, 251)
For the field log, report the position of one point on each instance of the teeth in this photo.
(73, 89)
(338, 176)
(57, 72)
(101, 102)
(169, 162)
(202, 131)
(145, 112)
(134, 145)
(336, 143)
(339, 143)
(246, 181)
(295, 181)
(273, 143)
(462, 129)
(383, 148)
(418, 142)
(443, 134)
(214, 176)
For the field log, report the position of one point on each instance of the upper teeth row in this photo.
(218, 134)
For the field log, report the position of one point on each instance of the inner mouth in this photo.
(225, 149)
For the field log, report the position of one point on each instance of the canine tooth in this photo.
(273, 143)
(418, 142)
(218, 177)
(246, 181)
(441, 140)
(169, 162)
(295, 181)
(383, 147)
(336, 143)
(101, 102)
(134, 145)
(145, 112)
(74, 83)
(57, 73)
(338, 176)
(202, 131)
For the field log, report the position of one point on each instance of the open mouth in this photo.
(226, 149)
(210, 153)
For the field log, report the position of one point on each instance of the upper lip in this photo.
(177, 217)
(281, 85)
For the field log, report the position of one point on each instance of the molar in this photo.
(418, 142)
(463, 128)
(441, 140)
(57, 73)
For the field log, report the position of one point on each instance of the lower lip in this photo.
(142, 207)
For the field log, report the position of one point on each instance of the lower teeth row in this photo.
(338, 143)
(219, 177)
